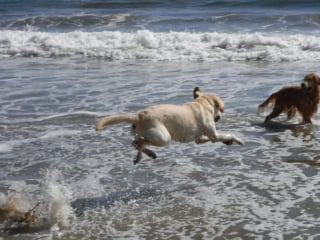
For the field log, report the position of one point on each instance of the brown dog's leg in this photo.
(291, 113)
(277, 110)
(306, 120)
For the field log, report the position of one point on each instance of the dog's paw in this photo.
(234, 139)
(150, 153)
(135, 161)
(228, 142)
(202, 139)
(153, 155)
(137, 158)
(239, 141)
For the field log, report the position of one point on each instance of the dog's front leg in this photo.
(202, 139)
(227, 139)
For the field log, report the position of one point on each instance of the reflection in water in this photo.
(83, 204)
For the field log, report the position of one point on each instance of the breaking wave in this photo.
(161, 46)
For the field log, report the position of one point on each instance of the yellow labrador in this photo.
(159, 124)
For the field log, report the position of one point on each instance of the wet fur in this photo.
(13, 211)
(302, 99)
(159, 124)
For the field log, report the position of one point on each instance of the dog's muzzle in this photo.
(217, 118)
(303, 85)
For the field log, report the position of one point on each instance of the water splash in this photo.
(58, 197)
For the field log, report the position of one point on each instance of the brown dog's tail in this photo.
(129, 118)
(270, 100)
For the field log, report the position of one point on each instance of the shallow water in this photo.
(66, 64)
(266, 189)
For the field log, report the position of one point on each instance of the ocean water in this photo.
(66, 64)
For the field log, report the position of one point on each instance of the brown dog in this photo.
(303, 99)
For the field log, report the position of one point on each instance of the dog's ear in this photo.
(317, 78)
(196, 93)
(219, 103)
(312, 77)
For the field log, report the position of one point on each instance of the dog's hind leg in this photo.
(277, 110)
(146, 151)
(291, 112)
(156, 136)
(139, 145)
(149, 153)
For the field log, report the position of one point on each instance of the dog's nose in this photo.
(217, 118)
(303, 85)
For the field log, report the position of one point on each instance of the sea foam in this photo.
(58, 198)
(159, 46)
(5, 147)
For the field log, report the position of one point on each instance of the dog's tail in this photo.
(270, 100)
(128, 118)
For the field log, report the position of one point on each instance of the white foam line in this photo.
(9, 145)
(145, 44)
(59, 133)
(40, 119)
(66, 114)
(5, 147)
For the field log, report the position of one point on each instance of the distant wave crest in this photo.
(161, 46)
(66, 22)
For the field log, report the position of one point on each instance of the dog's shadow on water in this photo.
(83, 204)
(296, 128)
(307, 133)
